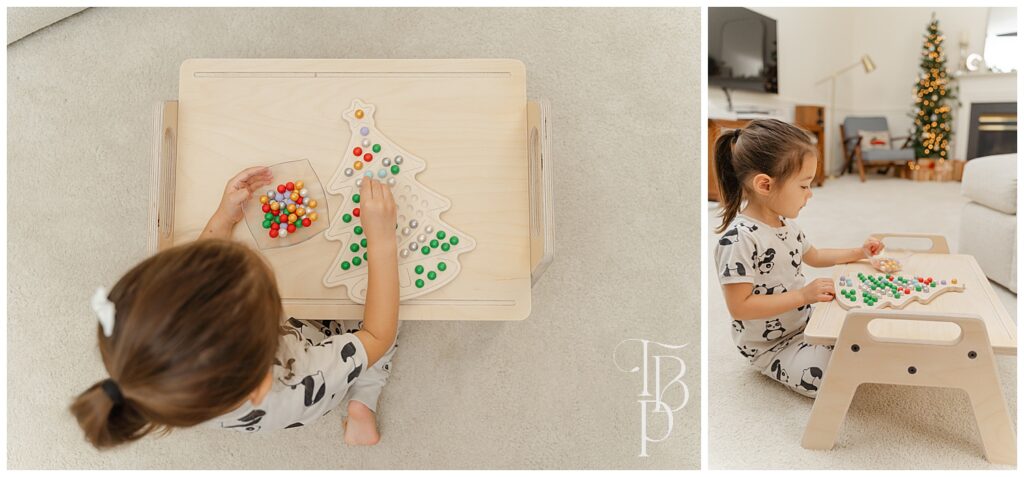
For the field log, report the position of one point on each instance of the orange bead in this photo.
(359, 114)
(300, 211)
(312, 203)
(292, 218)
(313, 216)
(264, 199)
(357, 166)
(295, 196)
(274, 206)
(299, 185)
(291, 207)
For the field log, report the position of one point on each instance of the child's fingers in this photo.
(386, 195)
(364, 190)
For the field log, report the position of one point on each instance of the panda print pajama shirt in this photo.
(319, 365)
(770, 258)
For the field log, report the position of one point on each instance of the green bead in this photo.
(440, 234)
(394, 169)
(434, 244)
(345, 265)
(362, 242)
(376, 148)
(346, 218)
(355, 198)
(454, 240)
(419, 283)
(442, 266)
(266, 224)
(358, 230)
(268, 216)
(425, 250)
(431, 275)
(917, 288)
(354, 247)
(419, 269)
(356, 261)
(445, 247)
(277, 219)
(298, 224)
(853, 298)
(933, 284)
(897, 296)
(364, 257)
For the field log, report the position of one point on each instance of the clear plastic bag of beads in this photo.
(291, 209)
(886, 263)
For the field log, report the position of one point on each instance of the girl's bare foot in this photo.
(361, 425)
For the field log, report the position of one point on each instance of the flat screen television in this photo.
(742, 50)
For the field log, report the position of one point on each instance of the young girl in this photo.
(195, 335)
(764, 175)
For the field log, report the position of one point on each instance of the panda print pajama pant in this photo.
(798, 365)
(371, 382)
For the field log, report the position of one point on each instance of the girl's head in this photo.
(768, 161)
(195, 332)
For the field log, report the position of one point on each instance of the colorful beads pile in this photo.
(288, 208)
(886, 264)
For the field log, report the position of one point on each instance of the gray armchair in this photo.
(871, 158)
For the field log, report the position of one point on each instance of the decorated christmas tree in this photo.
(428, 248)
(933, 98)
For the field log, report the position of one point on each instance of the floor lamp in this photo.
(868, 65)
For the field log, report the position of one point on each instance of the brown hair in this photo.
(195, 332)
(763, 146)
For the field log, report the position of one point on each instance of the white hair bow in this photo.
(104, 309)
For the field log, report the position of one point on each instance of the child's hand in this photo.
(872, 247)
(820, 289)
(377, 212)
(240, 189)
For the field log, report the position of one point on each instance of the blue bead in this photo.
(382, 173)
(364, 131)
(369, 174)
(279, 197)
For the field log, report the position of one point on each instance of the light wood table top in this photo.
(978, 298)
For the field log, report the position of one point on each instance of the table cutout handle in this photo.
(910, 242)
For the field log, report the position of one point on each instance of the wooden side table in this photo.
(951, 342)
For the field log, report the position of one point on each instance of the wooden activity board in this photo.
(890, 290)
(468, 120)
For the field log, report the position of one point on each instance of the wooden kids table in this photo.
(484, 143)
(950, 342)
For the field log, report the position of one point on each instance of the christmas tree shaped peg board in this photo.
(891, 290)
(428, 248)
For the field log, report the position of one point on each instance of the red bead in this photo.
(273, 233)
(280, 188)
(368, 157)
(299, 201)
(266, 208)
(355, 211)
(306, 222)
(357, 151)
(275, 225)
(290, 186)
(291, 228)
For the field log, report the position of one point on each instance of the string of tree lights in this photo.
(934, 94)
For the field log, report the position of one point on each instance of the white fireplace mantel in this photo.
(979, 88)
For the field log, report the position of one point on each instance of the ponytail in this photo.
(768, 146)
(105, 423)
(729, 186)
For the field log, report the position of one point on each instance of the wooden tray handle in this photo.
(939, 244)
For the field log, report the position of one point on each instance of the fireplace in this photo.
(993, 129)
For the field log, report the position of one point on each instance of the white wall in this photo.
(815, 42)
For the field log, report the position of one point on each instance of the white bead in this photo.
(398, 160)
(304, 192)
(421, 238)
(282, 233)
(349, 172)
(366, 143)
(414, 246)
(386, 161)
(413, 223)
(428, 229)
(392, 181)
(404, 253)
(406, 231)
(271, 194)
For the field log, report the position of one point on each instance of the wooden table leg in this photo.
(966, 363)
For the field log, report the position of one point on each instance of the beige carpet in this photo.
(541, 393)
(755, 423)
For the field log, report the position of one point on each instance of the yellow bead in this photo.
(291, 207)
(313, 216)
(292, 218)
(295, 196)
(300, 211)
(264, 199)
(312, 203)
(274, 206)
(298, 185)
(359, 114)
(954, 281)
(358, 165)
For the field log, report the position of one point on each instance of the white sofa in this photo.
(988, 224)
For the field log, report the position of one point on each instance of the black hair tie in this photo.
(113, 391)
